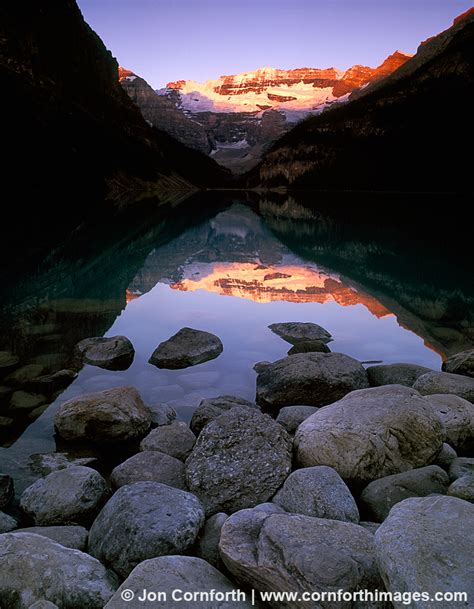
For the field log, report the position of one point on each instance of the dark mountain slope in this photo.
(411, 131)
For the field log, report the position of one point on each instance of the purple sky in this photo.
(165, 40)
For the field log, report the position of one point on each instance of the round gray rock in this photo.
(298, 553)
(74, 537)
(298, 333)
(207, 546)
(291, 417)
(35, 568)
(312, 379)
(457, 416)
(175, 439)
(395, 374)
(381, 495)
(114, 415)
(461, 466)
(7, 523)
(149, 465)
(187, 347)
(445, 457)
(460, 363)
(111, 353)
(463, 488)
(144, 520)
(211, 408)
(239, 460)
(319, 492)
(67, 496)
(444, 382)
(185, 574)
(371, 433)
(426, 544)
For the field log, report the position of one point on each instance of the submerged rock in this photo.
(111, 353)
(8, 362)
(381, 495)
(395, 374)
(291, 417)
(144, 520)
(24, 374)
(312, 379)
(25, 400)
(460, 363)
(161, 414)
(175, 439)
(34, 568)
(149, 465)
(74, 537)
(298, 333)
(45, 463)
(188, 347)
(444, 382)
(211, 408)
(114, 415)
(49, 383)
(426, 544)
(239, 460)
(371, 433)
(67, 496)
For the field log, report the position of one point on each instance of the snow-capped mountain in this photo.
(235, 118)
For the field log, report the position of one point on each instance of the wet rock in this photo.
(35, 568)
(74, 537)
(113, 415)
(45, 463)
(395, 374)
(175, 439)
(298, 333)
(445, 457)
(444, 382)
(161, 414)
(312, 379)
(463, 488)
(261, 366)
(111, 353)
(291, 417)
(381, 495)
(149, 465)
(207, 546)
(24, 400)
(460, 363)
(6, 490)
(144, 520)
(319, 492)
(7, 523)
(211, 408)
(371, 433)
(24, 374)
(67, 496)
(457, 416)
(298, 553)
(426, 544)
(312, 346)
(187, 347)
(186, 574)
(8, 362)
(50, 383)
(461, 466)
(239, 460)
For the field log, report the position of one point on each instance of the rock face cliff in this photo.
(408, 131)
(235, 118)
(68, 125)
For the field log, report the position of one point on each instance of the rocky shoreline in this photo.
(336, 477)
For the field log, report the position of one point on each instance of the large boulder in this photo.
(426, 544)
(35, 568)
(114, 415)
(144, 520)
(291, 417)
(111, 353)
(74, 537)
(319, 492)
(294, 553)
(381, 495)
(312, 379)
(299, 333)
(457, 416)
(175, 439)
(211, 408)
(67, 496)
(149, 465)
(395, 374)
(175, 577)
(460, 363)
(187, 347)
(239, 460)
(444, 382)
(371, 433)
